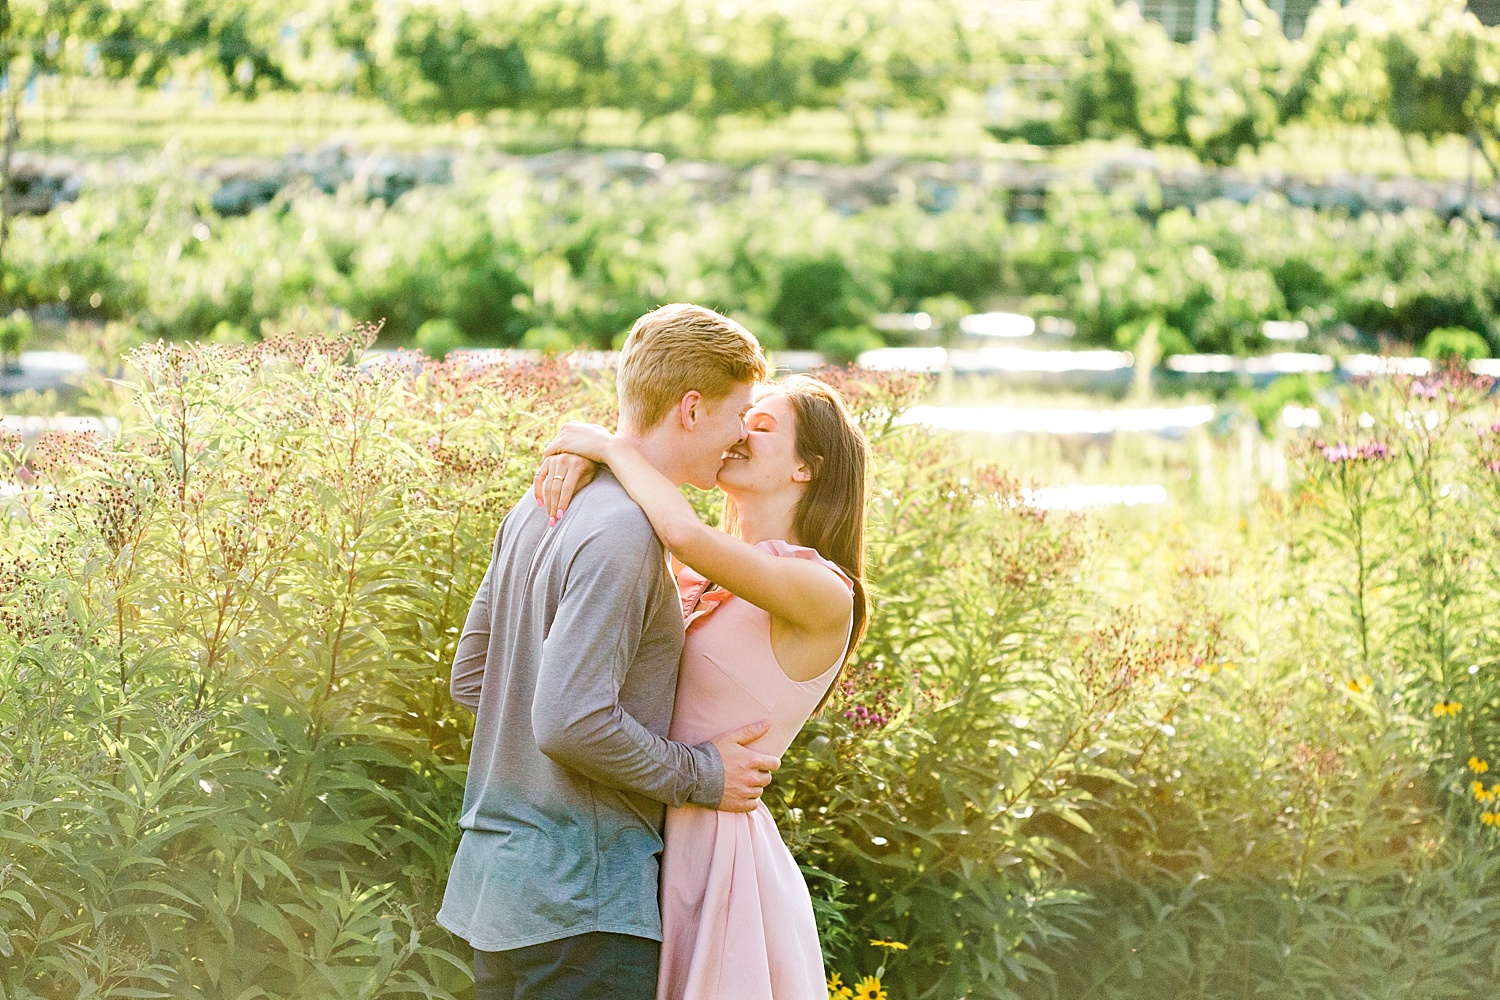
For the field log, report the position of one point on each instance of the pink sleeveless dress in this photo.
(737, 921)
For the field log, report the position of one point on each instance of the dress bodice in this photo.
(729, 675)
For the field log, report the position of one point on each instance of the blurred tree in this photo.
(659, 57)
(1105, 100)
(1432, 59)
(1342, 78)
(569, 53)
(11, 28)
(447, 63)
(1239, 90)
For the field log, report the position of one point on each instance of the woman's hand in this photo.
(588, 441)
(570, 463)
(558, 480)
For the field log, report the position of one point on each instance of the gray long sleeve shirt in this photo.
(569, 658)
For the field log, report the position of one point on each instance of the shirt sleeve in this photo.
(576, 714)
(467, 679)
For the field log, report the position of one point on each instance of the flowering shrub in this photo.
(1322, 797)
(1068, 761)
(230, 760)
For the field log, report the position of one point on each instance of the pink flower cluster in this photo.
(1364, 451)
(861, 716)
(867, 705)
(1452, 383)
(1425, 389)
(1489, 445)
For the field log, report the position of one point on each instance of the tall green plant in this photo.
(231, 761)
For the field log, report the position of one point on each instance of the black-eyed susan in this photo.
(1443, 708)
(1477, 787)
(837, 990)
(1488, 818)
(869, 989)
(1478, 766)
(893, 945)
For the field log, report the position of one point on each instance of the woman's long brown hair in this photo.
(830, 518)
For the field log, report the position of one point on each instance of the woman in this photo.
(774, 604)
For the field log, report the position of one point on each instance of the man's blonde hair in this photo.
(677, 349)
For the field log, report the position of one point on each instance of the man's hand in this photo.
(746, 772)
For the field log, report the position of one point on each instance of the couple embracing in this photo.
(630, 710)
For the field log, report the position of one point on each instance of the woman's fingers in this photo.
(552, 488)
(566, 475)
(548, 481)
(563, 472)
(568, 486)
(539, 480)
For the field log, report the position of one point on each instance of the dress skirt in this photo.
(737, 920)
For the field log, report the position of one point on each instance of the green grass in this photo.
(90, 118)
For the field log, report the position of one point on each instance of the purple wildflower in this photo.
(1364, 451)
(1425, 388)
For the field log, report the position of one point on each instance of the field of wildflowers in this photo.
(1209, 757)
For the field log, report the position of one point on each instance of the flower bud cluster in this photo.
(1362, 451)
(1489, 448)
(875, 397)
(866, 705)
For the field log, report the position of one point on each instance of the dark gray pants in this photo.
(594, 966)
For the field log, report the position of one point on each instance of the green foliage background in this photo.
(1192, 760)
(1089, 68)
(498, 255)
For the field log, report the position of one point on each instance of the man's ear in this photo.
(690, 409)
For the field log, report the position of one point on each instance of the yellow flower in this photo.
(836, 988)
(1358, 684)
(1487, 818)
(1477, 787)
(869, 989)
(1478, 766)
(893, 945)
(1443, 708)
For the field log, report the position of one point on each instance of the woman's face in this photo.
(765, 463)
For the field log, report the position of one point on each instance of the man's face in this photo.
(721, 425)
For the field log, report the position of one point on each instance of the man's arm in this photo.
(467, 679)
(576, 715)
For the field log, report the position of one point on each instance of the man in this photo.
(569, 658)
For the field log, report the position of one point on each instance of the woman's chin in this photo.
(731, 479)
